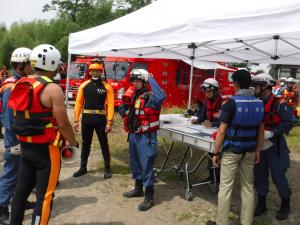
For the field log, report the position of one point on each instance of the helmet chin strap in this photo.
(262, 91)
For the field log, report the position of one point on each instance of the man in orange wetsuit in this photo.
(95, 99)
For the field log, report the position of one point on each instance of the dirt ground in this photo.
(91, 200)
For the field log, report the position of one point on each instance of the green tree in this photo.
(70, 7)
(127, 6)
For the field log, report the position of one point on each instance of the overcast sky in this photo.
(23, 10)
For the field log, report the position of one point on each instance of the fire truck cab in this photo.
(172, 75)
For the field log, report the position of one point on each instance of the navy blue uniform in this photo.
(8, 179)
(275, 160)
(143, 147)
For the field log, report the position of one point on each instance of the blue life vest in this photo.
(241, 134)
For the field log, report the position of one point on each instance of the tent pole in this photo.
(67, 81)
(215, 73)
(191, 83)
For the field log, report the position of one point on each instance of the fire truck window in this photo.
(116, 70)
(185, 78)
(210, 72)
(77, 71)
(140, 66)
(178, 76)
(230, 77)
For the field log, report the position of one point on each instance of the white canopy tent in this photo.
(231, 31)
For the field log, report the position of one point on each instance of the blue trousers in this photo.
(8, 179)
(143, 151)
(271, 161)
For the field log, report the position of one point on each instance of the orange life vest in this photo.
(272, 119)
(32, 123)
(8, 83)
(291, 97)
(147, 117)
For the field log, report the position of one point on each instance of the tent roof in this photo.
(233, 31)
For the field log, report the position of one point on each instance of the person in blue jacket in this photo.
(275, 152)
(141, 120)
(8, 180)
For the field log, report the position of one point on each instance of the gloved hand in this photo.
(268, 134)
(15, 150)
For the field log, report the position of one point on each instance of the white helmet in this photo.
(282, 79)
(20, 55)
(139, 74)
(264, 79)
(210, 84)
(290, 80)
(45, 57)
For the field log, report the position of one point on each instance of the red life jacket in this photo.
(8, 83)
(272, 119)
(213, 109)
(147, 117)
(33, 123)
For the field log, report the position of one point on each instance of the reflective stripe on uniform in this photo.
(55, 143)
(29, 139)
(153, 124)
(36, 84)
(92, 111)
(139, 112)
(26, 114)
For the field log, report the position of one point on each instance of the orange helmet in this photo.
(95, 66)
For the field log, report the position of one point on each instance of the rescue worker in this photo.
(40, 123)
(282, 86)
(291, 94)
(274, 155)
(241, 133)
(210, 118)
(95, 99)
(4, 73)
(141, 121)
(21, 67)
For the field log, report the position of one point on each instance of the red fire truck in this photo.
(172, 75)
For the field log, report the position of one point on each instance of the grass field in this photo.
(293, 140)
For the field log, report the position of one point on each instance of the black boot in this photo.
(148, 201)
(284, 210)
(80, 172)
(107, 173)
(136, 192)
(4, 214)
(261, 206)
(210, 222)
